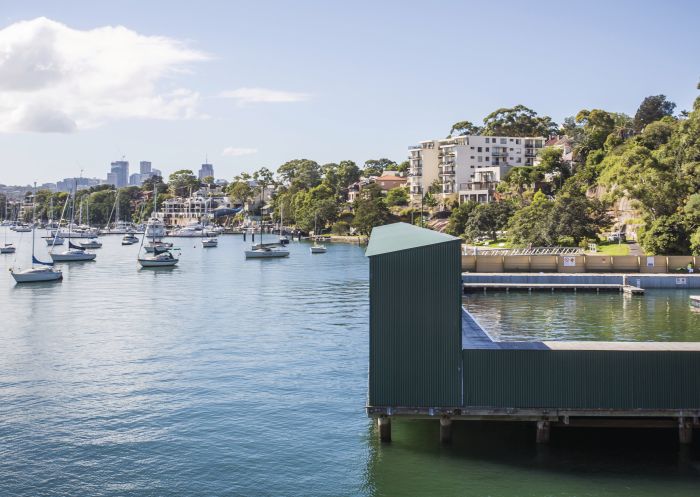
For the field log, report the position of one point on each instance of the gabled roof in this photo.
(403, 236)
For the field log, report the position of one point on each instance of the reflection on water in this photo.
(663, 315)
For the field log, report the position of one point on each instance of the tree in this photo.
(463, 128)
(397, 196)
(487, 220)
(208, 180)
(576, 216)
(240, 191)
(666, 236)
(531, 224)
(459, 218)
(552, 164)
(182, 182)
(517, 121)
(403, 167)
(315, 208)
(154, 181)
(652, 109)
(300, 174)
(370, 209)
(375, 167)
(340, 176)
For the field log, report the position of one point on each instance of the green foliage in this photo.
(340, 228)
(300, 173)
(488, 220)
(517, 121)
(397, 196)
(465, 128)
(239, 191)
(375, 167)
(316, 207)
(531, 225)
(182, 182)
(459, 217)
(666, 236)
(340, 176)
(652, 109)
(370, 209)
(403, 167)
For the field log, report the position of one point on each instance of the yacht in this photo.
(129, 239)
(53, 240)
(318, 249)
(159, 259)
(90, 244)
(210, 242)
(73, 254)
(8, 248)
(22, 228)
(152, 246)
(192, 230)
(266, 251)
(155, 228)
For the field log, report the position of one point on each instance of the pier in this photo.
(591, 287)
(430, 359)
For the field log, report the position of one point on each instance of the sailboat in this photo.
(92, 243)
(42, 271)
(316, 248)
(210, 241)
(265, 250)
(75, 253)
(162, 255)
(7, 248)
(283, 238)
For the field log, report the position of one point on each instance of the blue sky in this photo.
(319, 80)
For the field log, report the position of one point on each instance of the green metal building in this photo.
(428, 357)
(415, 312)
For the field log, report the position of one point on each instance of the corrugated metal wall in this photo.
(583, 379)
(415, 327)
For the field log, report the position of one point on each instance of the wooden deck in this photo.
(590, 287)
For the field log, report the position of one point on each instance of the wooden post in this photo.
(685, 431)
(542, 432)
(384, 428)
(445, 430)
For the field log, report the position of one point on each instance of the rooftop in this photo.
(403, 236)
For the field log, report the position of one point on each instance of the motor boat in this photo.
(22, 228)
(192, 230)
(155, 228)
(90, 244)
(151, 247)
(209, 242)
(129, 239)
(8, 248)
(318, 249)
(284, 240)
(36, 274)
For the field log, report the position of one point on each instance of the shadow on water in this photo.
(490, 458)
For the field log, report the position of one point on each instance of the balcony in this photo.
(447, 171)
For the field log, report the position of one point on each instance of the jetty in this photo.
(430, 359)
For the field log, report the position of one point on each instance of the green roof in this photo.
(403, 236)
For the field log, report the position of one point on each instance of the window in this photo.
(487, 149)
(472, 149)
(480, 159)
(503, 141)
(517, 141)
(487, 158)
(511, 149)
(478, 149)
(519, 160)
(487, 140)
(511, 139)
(472, 157)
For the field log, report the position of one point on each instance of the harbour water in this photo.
(231, 377)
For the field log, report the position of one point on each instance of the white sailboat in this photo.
(284, 240)
(93, 243)
(265, 250)
(211, 241)
(316, 248)
(39, 271)
(75, 253)
(7, 248)
(162, 256)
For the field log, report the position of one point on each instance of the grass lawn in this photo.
(613, 248)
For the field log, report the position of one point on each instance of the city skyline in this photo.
(327, 83)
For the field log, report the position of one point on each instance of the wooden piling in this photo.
(445, 430)
(542, 432)
(685, 431)
(384, 429)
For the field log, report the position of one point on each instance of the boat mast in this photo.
(33, 220)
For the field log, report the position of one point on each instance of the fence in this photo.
(579, 263)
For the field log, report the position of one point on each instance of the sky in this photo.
(252, 84)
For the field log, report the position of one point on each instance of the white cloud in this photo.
(244, 96)
(238, 152)
(57, 79)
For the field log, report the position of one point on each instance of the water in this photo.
(231, 377)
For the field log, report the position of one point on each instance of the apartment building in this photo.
(468, 167)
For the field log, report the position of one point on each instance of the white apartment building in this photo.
(180, 211)
(468, 167)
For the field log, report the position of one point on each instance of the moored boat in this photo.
(209, 242)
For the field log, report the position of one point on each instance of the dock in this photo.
(590, 287)
(429, 358)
